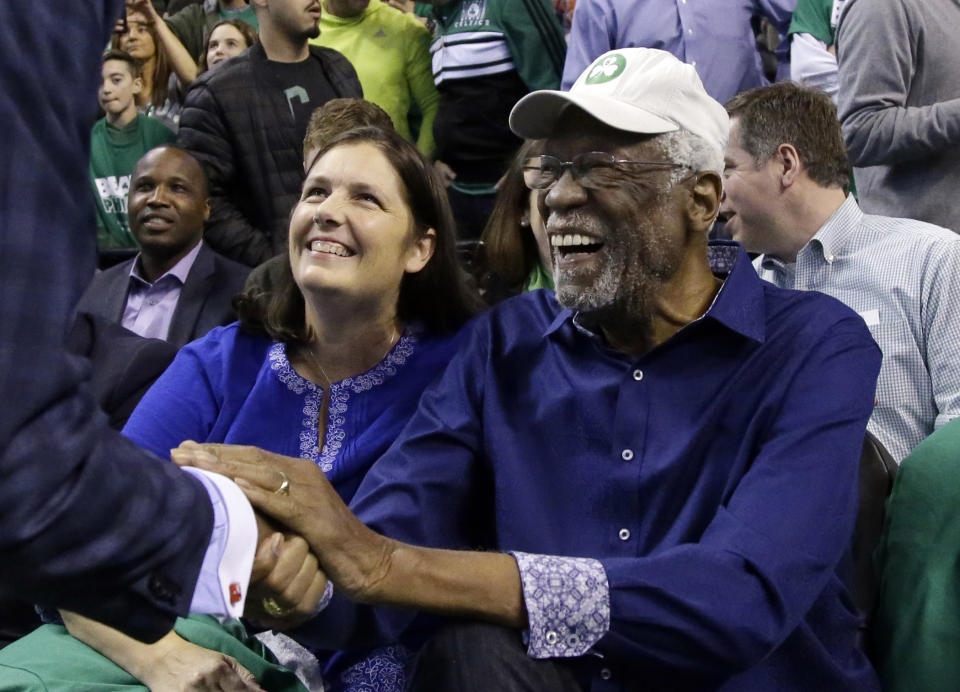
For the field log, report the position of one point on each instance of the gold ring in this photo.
(273, 608)
(284, 488)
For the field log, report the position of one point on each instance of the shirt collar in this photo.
(738, 305)
(832, 235)
(830, 238)
(180, 270)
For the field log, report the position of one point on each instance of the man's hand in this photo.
(355, 558)
(285, 575)
(364, 565)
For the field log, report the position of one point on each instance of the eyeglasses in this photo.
(593, 169)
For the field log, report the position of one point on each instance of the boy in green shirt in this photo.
(117, 142)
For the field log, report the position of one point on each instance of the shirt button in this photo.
(693, 63)
(552, 637)
(626, 454)
(638, 374)
(605, 673)
(829, 258)
(690, 31)
(624, 535)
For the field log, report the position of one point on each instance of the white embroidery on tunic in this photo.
(340, 393)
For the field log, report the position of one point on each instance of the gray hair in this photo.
(693, 151)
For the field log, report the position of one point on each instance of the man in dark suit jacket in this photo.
(88, 520)
(177, 288)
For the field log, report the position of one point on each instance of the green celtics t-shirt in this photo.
(114, 153)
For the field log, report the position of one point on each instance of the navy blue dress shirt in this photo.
(714, 478)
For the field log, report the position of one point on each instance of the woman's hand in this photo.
(169, 664)
(146, 8)
(186, 667)
(355, 558)
(180, 59)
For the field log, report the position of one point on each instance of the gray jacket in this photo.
(899, 104)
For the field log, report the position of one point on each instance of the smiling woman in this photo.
(327, 366)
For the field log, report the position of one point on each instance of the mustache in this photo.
(575, 222)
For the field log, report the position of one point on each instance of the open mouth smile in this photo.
(330, 247)
(574, 243)
(156, 221)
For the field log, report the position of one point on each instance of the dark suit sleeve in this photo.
(88, 521)
(203, 133)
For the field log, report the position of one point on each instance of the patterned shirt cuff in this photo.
(568, 603)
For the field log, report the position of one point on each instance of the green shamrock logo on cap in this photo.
(607, 68)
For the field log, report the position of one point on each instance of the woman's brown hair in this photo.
(510, 249)
(161, 66)
(437, 296)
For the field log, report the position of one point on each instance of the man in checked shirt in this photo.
(785, 197)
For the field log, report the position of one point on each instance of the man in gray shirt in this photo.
(899, 103)
(784, 196)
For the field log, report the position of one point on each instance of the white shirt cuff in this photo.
(225, 574)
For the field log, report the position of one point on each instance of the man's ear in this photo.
(206, 209)
(421, 250)
(790, 164)
(137, 85)
(704, 200)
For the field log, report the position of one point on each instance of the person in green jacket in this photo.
(916, 632)
(117, 142)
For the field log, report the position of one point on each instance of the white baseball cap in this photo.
(642, 90)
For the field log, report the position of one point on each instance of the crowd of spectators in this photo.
(623, 290)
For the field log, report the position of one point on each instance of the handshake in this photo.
(307, 537)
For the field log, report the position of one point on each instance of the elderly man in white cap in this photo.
(647, 481)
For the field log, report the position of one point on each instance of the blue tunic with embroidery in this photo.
(237, 388)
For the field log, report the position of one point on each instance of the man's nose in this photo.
(158, 197)
(565, 193)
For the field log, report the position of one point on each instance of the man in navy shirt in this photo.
(659, 464)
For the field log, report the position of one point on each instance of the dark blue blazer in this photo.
(88, 521)
(205, 300)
